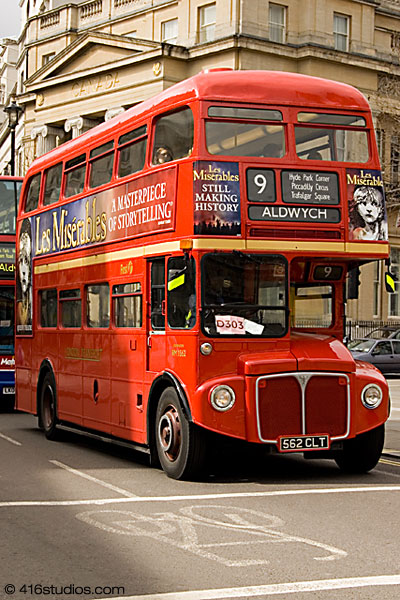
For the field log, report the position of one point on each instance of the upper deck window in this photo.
(132, 151)
(331, 119)
(101, 164)
(32, 196)
(75, 171)
(344, 145)
(9, 198)
(234, 112)
(52, 186)
(247, 137)
(173, 136)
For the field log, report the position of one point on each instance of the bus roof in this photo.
(226, 85)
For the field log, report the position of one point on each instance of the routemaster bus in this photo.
(10, 188)
(187, 268)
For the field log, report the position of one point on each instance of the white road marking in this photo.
(94, 479)
(184, 530)
(8, 439)
(274, 589)
(133, 499)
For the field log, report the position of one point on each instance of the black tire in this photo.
(8, 404)
(180, 444)
(48, 407)
(362, 454)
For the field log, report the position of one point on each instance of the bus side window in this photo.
(48, 308)
(75, 171)
(132, 151)
(52, 185)
(181, 303)
(127, 303)
(98, 305)
(101, 167)
(173, 136)
(32, 196)
(70, 308)
(157, 294)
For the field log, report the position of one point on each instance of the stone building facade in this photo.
(81, 62)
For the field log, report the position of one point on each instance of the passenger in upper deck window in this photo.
(162, 155)
(272, 151)
(314, 155)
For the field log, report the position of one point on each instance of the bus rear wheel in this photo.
(362, 454)
(180, 444)
(48, 407)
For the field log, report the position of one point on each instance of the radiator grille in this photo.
(303, 403)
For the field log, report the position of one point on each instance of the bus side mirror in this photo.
(390, 283)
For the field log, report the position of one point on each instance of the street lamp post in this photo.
(13, 111)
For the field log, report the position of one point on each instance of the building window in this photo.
(46, 58)
(380, 142)
(277, 23)
(341, 28)
(207, 17)
(377, 272)
(394, 159)
(169, 31)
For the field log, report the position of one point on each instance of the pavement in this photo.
(392, 437)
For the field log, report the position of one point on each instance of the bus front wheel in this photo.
(362, 454)
(48, 407)
(180, 445)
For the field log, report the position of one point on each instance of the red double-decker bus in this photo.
(10, 188)
(188, 262)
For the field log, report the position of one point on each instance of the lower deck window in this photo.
(98, 305)
(127, 303)
(48, 308)
(7, 320)
(312, 306)
(71, 308)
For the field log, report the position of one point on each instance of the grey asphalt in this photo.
(392, 437)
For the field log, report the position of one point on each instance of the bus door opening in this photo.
(156, 344)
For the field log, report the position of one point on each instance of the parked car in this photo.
(383, 354)
(388, 331)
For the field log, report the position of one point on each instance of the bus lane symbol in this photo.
(189, 530)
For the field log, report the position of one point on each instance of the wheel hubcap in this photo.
(169, 433)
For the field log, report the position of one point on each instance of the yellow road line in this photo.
(389, 462)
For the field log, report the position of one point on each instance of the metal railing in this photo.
(359, 329)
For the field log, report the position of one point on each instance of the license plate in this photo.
(9, 390)
(302, 443)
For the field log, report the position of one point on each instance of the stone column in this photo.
(113, 112)
(46, 138)
(78, 125)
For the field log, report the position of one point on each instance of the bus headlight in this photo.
(371, 396)
(222, 397)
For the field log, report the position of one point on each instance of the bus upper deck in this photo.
(297, 162)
